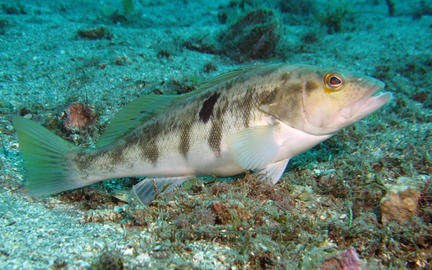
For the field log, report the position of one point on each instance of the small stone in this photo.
(143, 257)
(347, 260)
(399, 204)
(199, 256)
(128, 252)
(83, 265)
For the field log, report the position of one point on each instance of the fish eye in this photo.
(333, 82)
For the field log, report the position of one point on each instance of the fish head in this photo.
(320, 101)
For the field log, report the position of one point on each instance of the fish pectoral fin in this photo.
(148, 189)
(255, 147)
(272, 171)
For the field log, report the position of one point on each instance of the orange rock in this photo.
(399, 204)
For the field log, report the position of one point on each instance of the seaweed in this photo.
(310, 37)
(95, 33)
(59, 263)
(209, 67)
(304, 7)
(333, 16)
(17, 9)
(128, 6)
(391, 7)
(163, 54)
(425, 202)
(108, 260)
(3, 24)
(120, 16)
(88, 198)
(424, 9)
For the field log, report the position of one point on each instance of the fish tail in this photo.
(45, 155)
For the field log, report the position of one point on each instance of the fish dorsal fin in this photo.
(226, 76)
(134, 114)
(144, 108)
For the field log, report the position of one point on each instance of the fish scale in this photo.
(255, 118)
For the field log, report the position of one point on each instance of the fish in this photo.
(252, 119)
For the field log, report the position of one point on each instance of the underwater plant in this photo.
(13, 10)
(3, 24)
(333, 15)
(119, 16)
(391, 7)
(425, 9)
(297, 7)
(108, 259)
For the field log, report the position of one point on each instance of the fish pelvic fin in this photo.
(46, 162)
(150, 188)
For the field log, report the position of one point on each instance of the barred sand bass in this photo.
(255, 119)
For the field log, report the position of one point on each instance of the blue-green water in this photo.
(361, 199)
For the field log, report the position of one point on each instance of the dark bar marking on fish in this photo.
(215, 137)
(151, 152)
(291, 100)
(295, 87)
(84, 160)
(283, 101)
(116, 155)
(269, 97)
(207, 107)
(185, 140)
(311, 85)
(148, 142)
(246, 106)
(286, 76)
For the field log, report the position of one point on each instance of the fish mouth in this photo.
(371, 102)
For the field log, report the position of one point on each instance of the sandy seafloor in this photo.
(45, 66)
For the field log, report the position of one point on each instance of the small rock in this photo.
(96, 33)
(128, 252)
(400, 202)
(143, 257)
(347, 260)
(199, 256)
